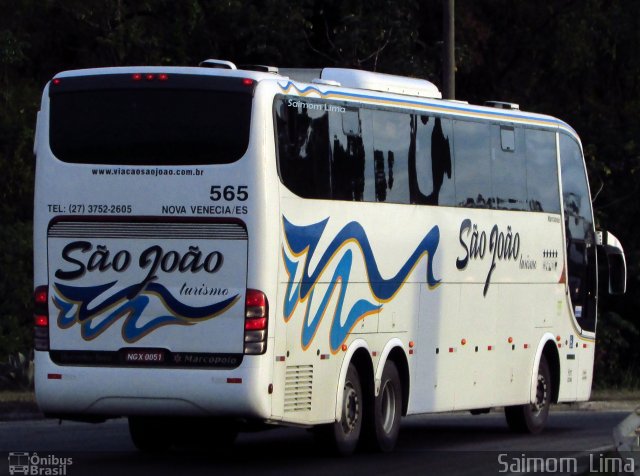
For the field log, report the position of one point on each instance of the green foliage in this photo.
(16, 271)
(355, 34)
(575, 59)
(17, 372)
(615, 365)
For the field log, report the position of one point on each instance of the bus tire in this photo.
(388, 409)
(149, 434)
(344, 435)
(532, 417)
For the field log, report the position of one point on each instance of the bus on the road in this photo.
(220, 248)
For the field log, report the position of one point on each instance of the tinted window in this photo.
(581, 254)
(575, 191)
(148, 126)
(351, 155)
(327, 150)
(303, 148)
(542, 171)
(433, 161)
(392, 138)
(472, 146)
(337, 151)
(509, 167)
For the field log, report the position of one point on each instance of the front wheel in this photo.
(532, 417)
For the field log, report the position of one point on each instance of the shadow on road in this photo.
(435, 444)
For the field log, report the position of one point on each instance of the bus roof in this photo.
(348, 85)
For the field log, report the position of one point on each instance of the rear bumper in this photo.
(78, 391)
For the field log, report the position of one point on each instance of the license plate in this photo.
(145, 356)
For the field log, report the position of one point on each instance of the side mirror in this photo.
(612, 247)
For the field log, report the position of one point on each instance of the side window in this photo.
(542, 171)
(341, 152)
(392, 133)
(472, 164)
(581, 253)
(303, 149)
(431, 162)
(508, 167)
(575, 191)
(348, 154)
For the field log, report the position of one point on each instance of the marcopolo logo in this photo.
(34, 464)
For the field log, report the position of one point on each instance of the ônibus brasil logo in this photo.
(34, 464)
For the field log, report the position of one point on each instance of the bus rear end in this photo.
(145, 185)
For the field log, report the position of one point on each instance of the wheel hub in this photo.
(541, 396)
(351, 409)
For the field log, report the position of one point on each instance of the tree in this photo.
(573, 59)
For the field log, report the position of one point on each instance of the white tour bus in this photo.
(218, 248)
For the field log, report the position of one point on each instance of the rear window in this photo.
(181, 120)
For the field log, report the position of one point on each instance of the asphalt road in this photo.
(449, 444)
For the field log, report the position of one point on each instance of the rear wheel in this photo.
(343, 436)
(388, 409)
(532, 417)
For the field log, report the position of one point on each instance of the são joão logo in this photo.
(477, 245)
(95, 308)
(153, 258)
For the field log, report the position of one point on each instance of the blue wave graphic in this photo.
(302, 241)
(131, 302)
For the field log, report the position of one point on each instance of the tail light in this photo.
(149, 77)
(256, 322)
(41, 318)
